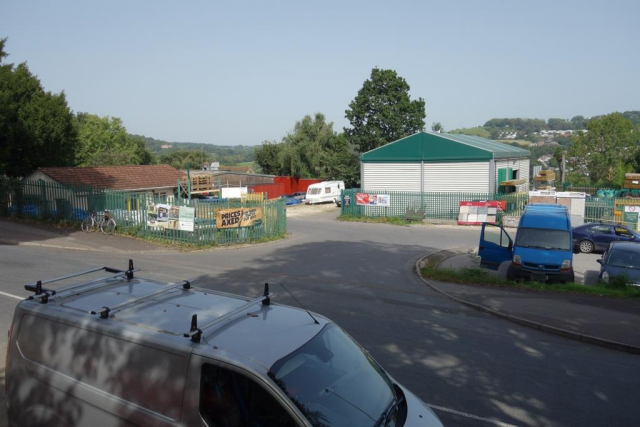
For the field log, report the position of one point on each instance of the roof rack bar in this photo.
(43, 294)
(265, 297)
(104, 311)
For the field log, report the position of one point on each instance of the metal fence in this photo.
(434, 205)
(47, 201)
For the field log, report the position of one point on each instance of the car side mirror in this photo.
(599, 261)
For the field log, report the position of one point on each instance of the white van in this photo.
(324, 192)
(127, 351)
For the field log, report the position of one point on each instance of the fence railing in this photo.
(133, 212)
(447, 205)
(434, 205)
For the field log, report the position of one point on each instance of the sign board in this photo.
(232, 192)
(171, 217)
(187, 218)
(365, 199)
(241, 217)
(475, 213)
(631, 214)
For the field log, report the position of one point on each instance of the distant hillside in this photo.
(476, 131)
(523, 128)
(225, 154)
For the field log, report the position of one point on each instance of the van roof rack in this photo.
(43, 294)
(195, 332)
(104, 311)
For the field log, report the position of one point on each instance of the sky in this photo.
(242, 72)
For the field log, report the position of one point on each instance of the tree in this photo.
(557, 156)
(606, 150)
(578, 122)
(36, 127)
(437, 127)
(383, 112)
(181, 158)
(104, 141)
(267, 157)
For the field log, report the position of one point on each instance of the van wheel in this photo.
(586, 246)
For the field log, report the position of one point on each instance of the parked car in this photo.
(596, 237)
(542, 248)
(621, 258)
(125, 350)
(300, 195)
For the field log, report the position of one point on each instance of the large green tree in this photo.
(383, 111)
(104, 141)
(267, 156)
(312, 150)
(607, 150)
(181, 158)
(36, 127)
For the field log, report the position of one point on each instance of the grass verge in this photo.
(477, 276)
(374, 220)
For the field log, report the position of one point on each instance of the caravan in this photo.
(324, 192)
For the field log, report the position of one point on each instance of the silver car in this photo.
(123, 351)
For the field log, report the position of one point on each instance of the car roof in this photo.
(626, 246)
(262, 333)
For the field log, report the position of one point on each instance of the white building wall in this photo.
(391, 176)
(521, 165)
(465, 177)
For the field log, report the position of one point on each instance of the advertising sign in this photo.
(631, 214)
(241, 217)
(187, 218)
(365, 199)
(171, 217)
(475, 213)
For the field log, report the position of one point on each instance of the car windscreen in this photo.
(542, 238)
(622, 258)
(313, 191)
(333, 381)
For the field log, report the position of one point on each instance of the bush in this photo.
(620, 281)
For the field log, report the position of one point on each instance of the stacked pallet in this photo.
(632, 181)
(201, 183)
(547, 175)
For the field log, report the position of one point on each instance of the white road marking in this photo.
(11, 295)
(475, 417)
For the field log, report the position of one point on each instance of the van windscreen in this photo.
(540, 238)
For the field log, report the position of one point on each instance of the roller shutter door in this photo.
(391, 176)
(469, 177)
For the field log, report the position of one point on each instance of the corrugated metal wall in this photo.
(391, 176)
(456, 177)
(521, 165)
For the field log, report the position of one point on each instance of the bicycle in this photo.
(106, 224)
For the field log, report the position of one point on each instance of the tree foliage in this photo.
(104, 141)
(607, 150)
(36, 127)
(383, 112)
(312, 150)
(437, 127)
(180, 159)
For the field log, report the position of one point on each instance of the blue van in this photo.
(542, 251)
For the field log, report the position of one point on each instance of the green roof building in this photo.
(442, 162)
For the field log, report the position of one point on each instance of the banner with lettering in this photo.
(241, 217)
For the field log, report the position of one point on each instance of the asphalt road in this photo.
(474, 369)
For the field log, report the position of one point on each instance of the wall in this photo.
(295, 185)
(472, 177)
(273, 191)
(391, 176)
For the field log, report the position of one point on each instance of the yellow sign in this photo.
(242, 217)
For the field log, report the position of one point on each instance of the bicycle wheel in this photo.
(87, 224)
(108, 227)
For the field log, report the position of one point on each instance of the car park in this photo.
(621, 259)
(596, 237)
(125, 350)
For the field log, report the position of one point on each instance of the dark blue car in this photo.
(621, 258)
(596, 237)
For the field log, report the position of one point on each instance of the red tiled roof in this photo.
(135, 177)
